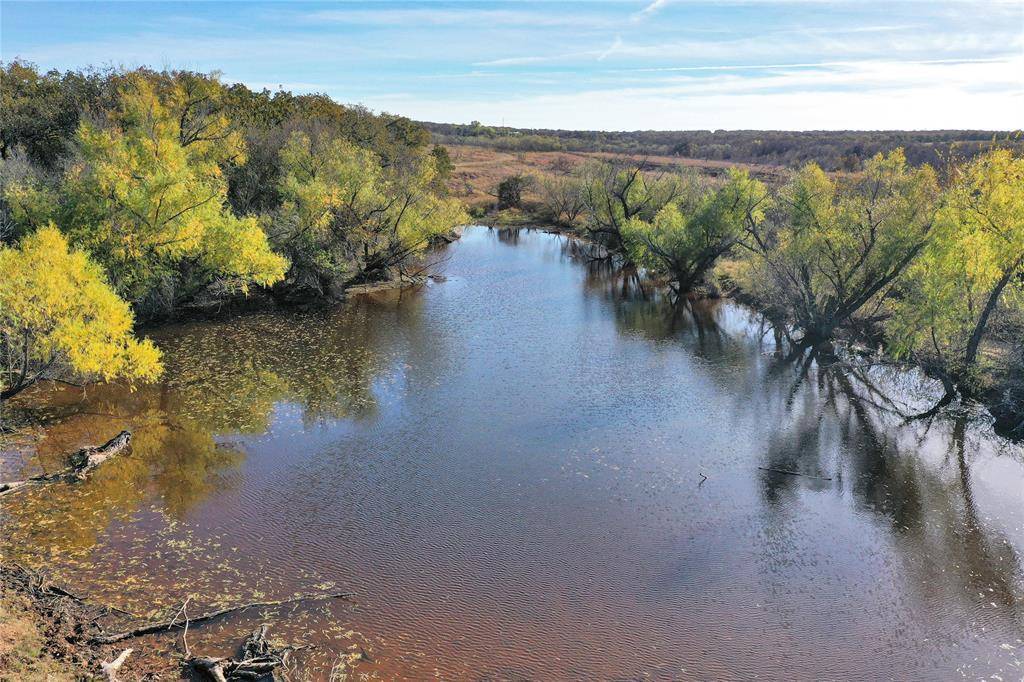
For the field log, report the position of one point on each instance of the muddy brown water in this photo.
(508, 467)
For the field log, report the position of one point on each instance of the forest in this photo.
(833, 150)
(917, 266)
(128, 197)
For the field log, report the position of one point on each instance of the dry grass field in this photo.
(478, 170)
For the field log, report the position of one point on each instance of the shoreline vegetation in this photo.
(915, 266)
(153, 194)
(132, 198)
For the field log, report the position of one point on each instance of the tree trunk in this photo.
(974, 344)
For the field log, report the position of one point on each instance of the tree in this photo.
(563, 198)
(686, 238)
(443, 165)
(510, 191)
(347, 219)
(57, 313)
(42, 110)
(974, 261)
(147, 197)
(836, 247)
(617, 191)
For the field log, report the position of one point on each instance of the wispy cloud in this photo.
(612, 49)
(519, 61)
(442, 16)
(868, 95)
(649, 9)
(800, 65)
(587, 63)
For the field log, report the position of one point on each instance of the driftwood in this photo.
(258, 659)
(110, 669)
(794, 473)
(153, 628)
(80, 464)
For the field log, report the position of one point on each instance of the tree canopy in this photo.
(172, 189)
(974, 261)
(687, 237)
(837, 245)
(57, 313)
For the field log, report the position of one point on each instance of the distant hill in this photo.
(833, 150)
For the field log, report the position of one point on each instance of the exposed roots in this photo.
(257, 659)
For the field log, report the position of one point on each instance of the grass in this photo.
(478, 170)
(23, 656)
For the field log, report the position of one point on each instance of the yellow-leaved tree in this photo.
(59, 314)
(837, 246)
(147, 197)
(974, 261)
(346, 218)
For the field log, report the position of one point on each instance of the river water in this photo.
(529, 471)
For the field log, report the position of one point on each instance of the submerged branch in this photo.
(81, 464)
(794, 473)
(153, 628)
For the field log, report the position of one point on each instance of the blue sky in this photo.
(614, 65)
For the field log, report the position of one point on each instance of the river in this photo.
(529, 471)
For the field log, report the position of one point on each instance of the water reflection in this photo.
(497, 459)
(222, 380)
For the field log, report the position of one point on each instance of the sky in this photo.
(600, 65)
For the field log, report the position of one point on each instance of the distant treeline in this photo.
(131, 194)
(832, 150)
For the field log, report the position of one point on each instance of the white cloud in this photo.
(650, 9)
(480, 18)
(519, 61)
(612, 49)
(864, 95)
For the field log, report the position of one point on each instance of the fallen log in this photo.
(153, 628)
(80, 464)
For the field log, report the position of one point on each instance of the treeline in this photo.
(930, 267)
(832, 150)
(128, 195)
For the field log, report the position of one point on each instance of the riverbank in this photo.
(289, 453)
(262, 300)
(40, 631)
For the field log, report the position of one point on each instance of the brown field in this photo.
(478, 170)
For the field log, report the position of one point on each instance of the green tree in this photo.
(443, 165)
(346, 218)
(617, 192)
(563, 198)
(510, 191)
(974, 262)
(58, 314)
(41, 111)
(837, 246)
(687, 237)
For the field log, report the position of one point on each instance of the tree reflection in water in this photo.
(223, 381)
(849, 426)
(451, 451)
